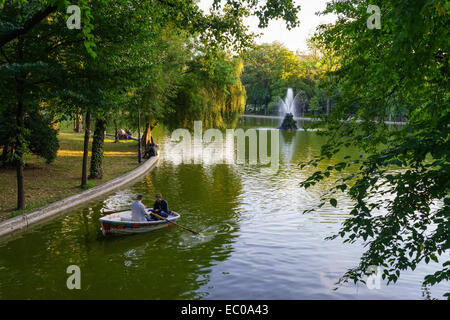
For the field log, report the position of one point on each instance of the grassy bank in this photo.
(46, 183)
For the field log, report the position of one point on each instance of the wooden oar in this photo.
(112, 212)
(186, 228)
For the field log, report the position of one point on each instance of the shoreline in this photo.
(308, 119)
(26, 220)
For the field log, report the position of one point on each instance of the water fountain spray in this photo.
(287, 107)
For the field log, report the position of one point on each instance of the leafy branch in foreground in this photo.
(414, 192)
(401, 187)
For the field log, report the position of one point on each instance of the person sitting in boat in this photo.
(161, 207)
(138, 211)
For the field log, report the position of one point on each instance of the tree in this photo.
(256, 77)
(329, 62)
(405, 63)
(140, 53)
(216, 96)
(221, 26)
(35, 12)
(271, 68)
(100, 68)
(40, 137)
(174, 50)
(26, 67)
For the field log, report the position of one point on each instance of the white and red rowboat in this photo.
(121, 223)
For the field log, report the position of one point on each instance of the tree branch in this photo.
(4, 55)
(37, 18)
(154, 125)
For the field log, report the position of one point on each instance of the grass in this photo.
(47, 183)
(89, 185)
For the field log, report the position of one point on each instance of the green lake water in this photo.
(256, 243)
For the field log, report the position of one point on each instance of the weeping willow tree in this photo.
(215, 96)
(223, 103)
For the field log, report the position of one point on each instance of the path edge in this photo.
(25, 220)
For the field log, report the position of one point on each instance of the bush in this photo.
(40, 138)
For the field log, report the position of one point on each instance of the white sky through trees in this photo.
(294, 39)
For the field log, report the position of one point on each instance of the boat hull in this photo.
(120, 223)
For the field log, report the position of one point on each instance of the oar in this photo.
(186, 228)
(112, 212)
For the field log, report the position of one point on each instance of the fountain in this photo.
(287, 107)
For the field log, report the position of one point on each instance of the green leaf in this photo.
(333, 202)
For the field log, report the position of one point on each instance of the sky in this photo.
(294, 39)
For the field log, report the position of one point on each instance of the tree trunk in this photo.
(20, 188)
(19, 157)
(116, 132)
(19, 147)
(96, 171)
(147, 136)
(266, 106)
(139, 138)
(55, 123)
(146, 140)
(87, 133)
(328, 105)
(78, 122)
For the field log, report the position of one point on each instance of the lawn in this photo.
(46, 183)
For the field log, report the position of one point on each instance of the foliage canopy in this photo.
(405, 63)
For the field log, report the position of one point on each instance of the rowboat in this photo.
(121, 223)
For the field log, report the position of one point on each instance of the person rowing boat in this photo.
(161, 207)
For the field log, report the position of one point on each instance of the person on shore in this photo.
(122, 134)
(128, 135)
(161, 207)
(138, 211)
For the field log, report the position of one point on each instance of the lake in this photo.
(256, 242)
